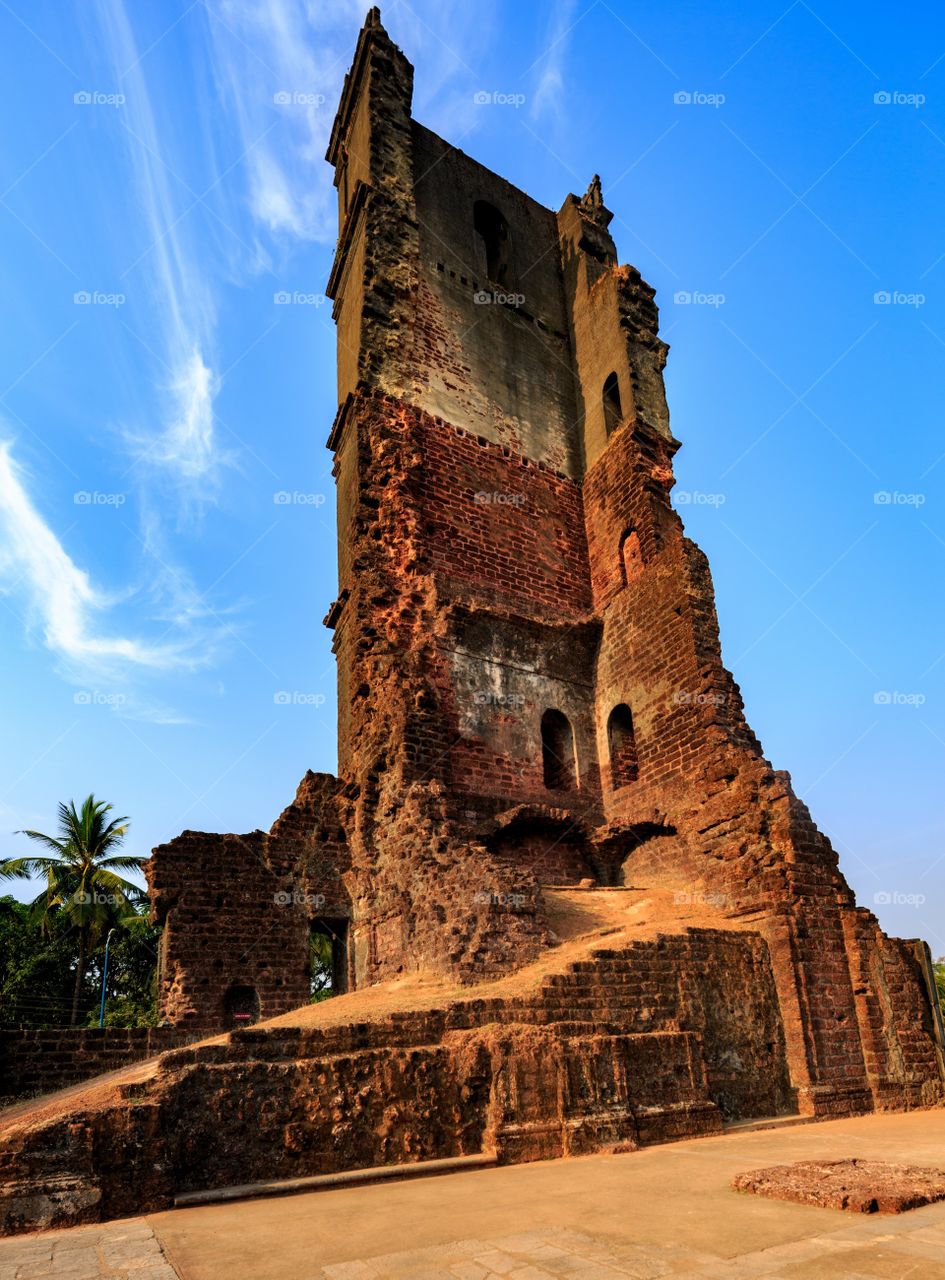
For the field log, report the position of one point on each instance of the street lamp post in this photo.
(101, 1015)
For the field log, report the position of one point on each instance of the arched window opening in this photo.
(240, 1007)
(494, 232)
(557, 752)
(631, 556)
(612, 410)
(621, 739)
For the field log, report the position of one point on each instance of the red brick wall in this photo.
(497, 523)
(39, 1060)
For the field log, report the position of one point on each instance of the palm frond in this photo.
(58, 846)
(23, 868)
(126, 861)
(107, 880)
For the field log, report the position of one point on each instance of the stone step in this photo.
(346, 1178)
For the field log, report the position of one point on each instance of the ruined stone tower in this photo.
(531, 690)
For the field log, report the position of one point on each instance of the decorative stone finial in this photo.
(594, 197)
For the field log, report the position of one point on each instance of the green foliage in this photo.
(131, 996)
(939, 968)
(37, 973)
(320, 968)
(84, 899)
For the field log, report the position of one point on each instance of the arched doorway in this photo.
(559, 765)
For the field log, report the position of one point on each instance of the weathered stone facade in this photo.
(531, 695)
(530, 678)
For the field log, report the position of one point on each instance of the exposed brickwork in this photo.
(36, 1061)
(511, 576)
(508, 553)
(246, 904)
(500, 526)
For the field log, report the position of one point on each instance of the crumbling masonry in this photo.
(531, 695)
(530, 683)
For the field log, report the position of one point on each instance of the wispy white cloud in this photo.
(188, 442)
(181, 333)
(549, 93)
(298, 51)
(284, 61)
(60, 596)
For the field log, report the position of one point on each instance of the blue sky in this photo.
(773, 169)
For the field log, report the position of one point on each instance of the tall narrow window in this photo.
(631, 556)
(557, 752)
(624, 767)
(612, 411)
(494, 233)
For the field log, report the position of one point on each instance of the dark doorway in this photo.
(240, 1007)
(328, 958)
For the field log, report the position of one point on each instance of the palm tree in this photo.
(82, 884)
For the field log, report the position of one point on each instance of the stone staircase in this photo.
(630, 1045)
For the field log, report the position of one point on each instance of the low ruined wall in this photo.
(629, 1046)
(37, 1061)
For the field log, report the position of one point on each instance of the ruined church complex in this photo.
(550, 822)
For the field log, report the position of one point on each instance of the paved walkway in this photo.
(126, 1250)
(667, 1211)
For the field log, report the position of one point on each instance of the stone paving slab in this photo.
(559, 1254)
(124, 1250)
